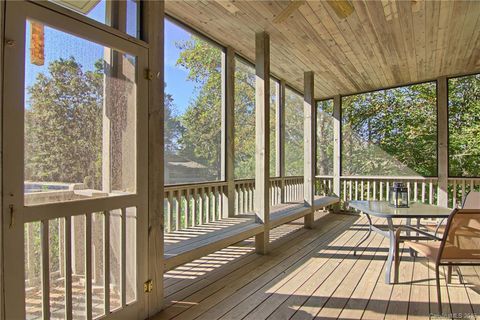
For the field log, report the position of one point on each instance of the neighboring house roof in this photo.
(177, 161)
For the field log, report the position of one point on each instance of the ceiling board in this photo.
(381, 44)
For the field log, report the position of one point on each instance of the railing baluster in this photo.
(368, 190)
(415, 190)
(178, 211)
(423, 191)
(409, 193)
(45, 269)
(88, 265)
(252, 195)
(221, 201)
(216, 206)
(244, 198)
(124, 257)
(170, 211)
(388, 190)
(430, 194)
(106, 260)
(381, 190)
(361, 190)
(454, 200)
(201, 205)
(207, 205)
(68, 269)
(350, 197)
(188, 210)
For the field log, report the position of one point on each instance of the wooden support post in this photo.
(278, 130)
(281, 139)
(337, 143)
(153, 33)
(228, 138)
(262, 140)
(442, 118)
(309, 143)
(2, 41)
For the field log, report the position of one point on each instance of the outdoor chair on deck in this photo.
(459, 245)
(472, 201)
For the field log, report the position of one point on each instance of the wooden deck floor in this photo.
(312, 274)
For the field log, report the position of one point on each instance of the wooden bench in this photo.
(189, 244)
(287, 212)
(186, 245)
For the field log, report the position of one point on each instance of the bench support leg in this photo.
(262, 241)
(308, 220)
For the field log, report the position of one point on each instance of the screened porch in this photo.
(221, 159)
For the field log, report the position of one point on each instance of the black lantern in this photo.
(399, 195)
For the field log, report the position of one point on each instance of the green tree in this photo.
(201, 136)
(464, 125)
(325, 137)
(293, 133)
(390, 132)
(63, 124)
(244, 120)
(173, 129)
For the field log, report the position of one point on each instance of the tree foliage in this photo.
(293, 133)
(244, 127)
(63, 124)
(201, 123)
(325, 137)
(387, 132)
(464, 126)
(390, 132)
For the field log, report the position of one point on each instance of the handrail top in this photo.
(175, 187)
(397, 178)
(388, 178)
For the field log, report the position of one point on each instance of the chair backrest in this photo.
(472, 200)
(461, 240)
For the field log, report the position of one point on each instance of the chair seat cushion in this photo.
(428, 249)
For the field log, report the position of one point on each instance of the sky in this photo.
(59, 44)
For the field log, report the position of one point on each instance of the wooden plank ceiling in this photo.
(381, 44)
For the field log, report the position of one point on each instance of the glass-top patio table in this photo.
(382, 209)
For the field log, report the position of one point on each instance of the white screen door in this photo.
(75, 185)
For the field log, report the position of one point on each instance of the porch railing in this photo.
(424, 189)
(196, 204)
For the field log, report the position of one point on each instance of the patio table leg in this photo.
(391, 251)
(365, 237)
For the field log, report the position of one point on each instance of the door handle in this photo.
(12, 216)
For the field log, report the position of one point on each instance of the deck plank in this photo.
(272, 296)
(419, 299)
(399, 299)
(326, 281)
(309, 273)
(337, 301)
(212, 293)
(294, 262)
